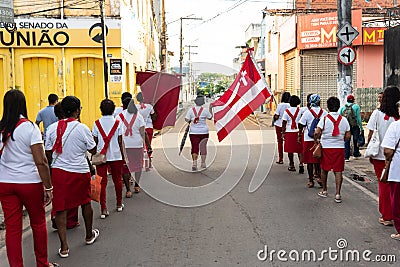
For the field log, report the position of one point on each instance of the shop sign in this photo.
(319, 30)
(115, 70)
(373, 36)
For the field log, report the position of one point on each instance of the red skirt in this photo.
(71, 189)
(307, 153)
(291, 144)
(135, 158)
(332, 159)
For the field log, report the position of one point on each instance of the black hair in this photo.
(107, 107)
(58, 111)
(126, 102)
(294, 101)
(53, 98)
(333, 104)
(391, 96)
(14, 105)
(125, 95)
(308, 100)
(285, 97)
(70, 104)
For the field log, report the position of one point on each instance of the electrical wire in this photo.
(68, 6)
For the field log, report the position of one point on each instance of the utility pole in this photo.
(163, 37)
(344, 71)
(181, 47)
(190, 68)
(103, 42)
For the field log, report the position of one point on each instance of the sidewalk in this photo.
(360, 170)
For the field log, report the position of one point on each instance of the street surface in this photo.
(281, 215)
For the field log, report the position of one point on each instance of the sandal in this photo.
(385, 222)
(95, 235)
(292, 169)
(64, 253)
(279, 162)
(310, 184)
(128, 194)
(104, 214)
(120, 208)
(395, 236)
(136, 189)
(338, 198)
(323, 194)
(318, 179)
(53, 264)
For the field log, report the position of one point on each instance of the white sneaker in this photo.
(347, 160)
(121, 208)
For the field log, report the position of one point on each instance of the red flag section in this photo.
(162, 91)
(248, 92)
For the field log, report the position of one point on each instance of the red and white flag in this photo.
(248, 92)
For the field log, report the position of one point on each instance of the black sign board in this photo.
(115, 66)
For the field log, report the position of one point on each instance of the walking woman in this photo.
(68, 144)
(147, 112)
(391, 147)
(306, 130)
(332, 131)
(108, 137)
(24, 180)
(381, 119)
(290, 133)
(133, 133)
(280, 110)
(198, 133)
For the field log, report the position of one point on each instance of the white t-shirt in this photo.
(113, 151)
(16, 163)
(201, 126)
(145, 112)
(280, 109)
(390, 140)
(382, 128)
(135, 140)
(308, 118)
(302, 110)
(73, 156)
(329, 141)
(117, 111)
(288, 119)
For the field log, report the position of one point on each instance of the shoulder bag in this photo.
(385, 173)
(373, 146)
(317, 148)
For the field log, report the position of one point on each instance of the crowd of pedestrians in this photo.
(301, 130)
(55, 167)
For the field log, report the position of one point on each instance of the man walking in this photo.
(351, 112)
(47, 114)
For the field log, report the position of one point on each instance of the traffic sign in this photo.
(347, 34)
(346, 55)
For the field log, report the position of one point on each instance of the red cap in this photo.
(350, 97)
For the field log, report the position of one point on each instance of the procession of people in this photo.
(58, 170)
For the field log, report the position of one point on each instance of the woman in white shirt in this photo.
(198, 133)
(108, 136)
(280, 109)
(24, 180)
(381, 119)
(290, 131)
(68, 144)
(332, 131)
(147, 112)
(391, 147)
(305, 133)
(133, 133)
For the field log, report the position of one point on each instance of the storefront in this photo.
(64, 57)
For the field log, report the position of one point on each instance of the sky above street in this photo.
(221, 29)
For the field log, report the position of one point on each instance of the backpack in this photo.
(315, 122)
(349, 114)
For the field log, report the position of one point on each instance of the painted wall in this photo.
(369, 66)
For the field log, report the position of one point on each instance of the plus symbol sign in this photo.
(347, 34)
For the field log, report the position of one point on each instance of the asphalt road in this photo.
(213, 220)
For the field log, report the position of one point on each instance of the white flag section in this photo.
(248, 92)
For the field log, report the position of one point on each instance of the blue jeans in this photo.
(355, 132)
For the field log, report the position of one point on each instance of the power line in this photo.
(68, 6)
